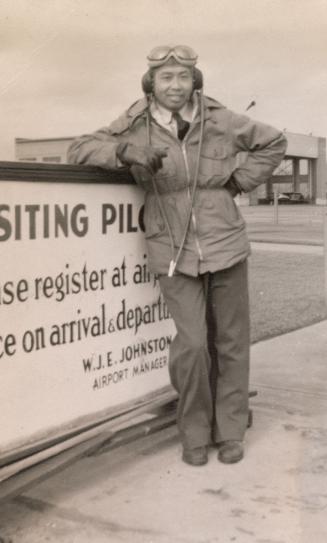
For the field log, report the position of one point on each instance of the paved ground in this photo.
(143, 493)
(287, 247)
(287, 214)
(297, 224)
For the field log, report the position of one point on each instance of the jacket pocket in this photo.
(213, 161)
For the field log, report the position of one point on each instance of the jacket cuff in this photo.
(233, 186)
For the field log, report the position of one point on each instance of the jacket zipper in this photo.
(193, 218)
(197, 243)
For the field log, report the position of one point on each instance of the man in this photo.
(182, 149)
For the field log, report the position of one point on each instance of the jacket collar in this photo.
(139, 108)
(210, 105)
(187, 112)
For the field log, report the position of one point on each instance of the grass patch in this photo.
(286, 292)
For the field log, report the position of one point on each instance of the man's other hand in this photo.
(149, 157)
(233, 187)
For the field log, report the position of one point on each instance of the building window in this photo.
(51, 159)
(27, 159)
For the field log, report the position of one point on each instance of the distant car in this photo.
(285, 198)
(291, 198)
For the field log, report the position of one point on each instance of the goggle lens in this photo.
(181, 53)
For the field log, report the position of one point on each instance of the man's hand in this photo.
(149, 157)
(233, 187)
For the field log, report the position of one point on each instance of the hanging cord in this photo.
(175, 259)
(156, 192)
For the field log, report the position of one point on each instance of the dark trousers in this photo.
(213, 401)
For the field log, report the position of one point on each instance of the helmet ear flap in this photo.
(147, 82)
(197, 79)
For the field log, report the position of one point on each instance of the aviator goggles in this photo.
(181, 53)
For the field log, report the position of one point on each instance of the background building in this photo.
(42, 150)
(303, 170)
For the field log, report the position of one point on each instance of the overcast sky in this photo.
(71, 66)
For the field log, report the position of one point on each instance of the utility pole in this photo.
(325, 252)
(275, 205)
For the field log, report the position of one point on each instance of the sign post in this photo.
(275, 205)
(325, 253)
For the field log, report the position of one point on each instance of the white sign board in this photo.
(83, 327)
(302, 146)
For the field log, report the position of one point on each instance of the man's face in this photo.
(173, 86)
